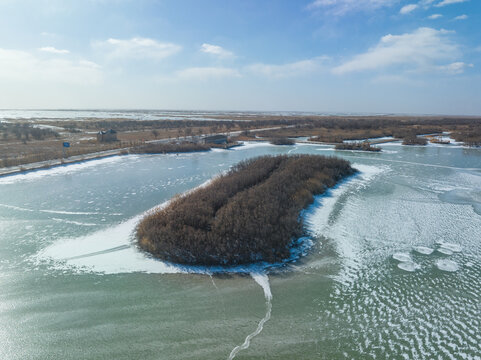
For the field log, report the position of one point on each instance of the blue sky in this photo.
(388, 56)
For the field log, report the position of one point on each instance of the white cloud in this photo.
(435, 16)
(288, 70)
(408, 8)
(425, 3)
(461, 17)
(51, 49)
(449, 2)
(454, 68)
(22, 66)
(203, 73)
(216, 51)
(137, 48)
(422, 49)
(342, 7)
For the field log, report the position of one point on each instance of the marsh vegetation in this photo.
(250, 214)
(358, 146)
(282, 141)
(172, 147)
(414, 140)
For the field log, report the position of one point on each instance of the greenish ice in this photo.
(390, 269)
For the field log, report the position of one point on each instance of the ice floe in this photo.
(409, 266)
(402, 257)
(444, 251)
(447, 265)
(450, 246)
(423, 250)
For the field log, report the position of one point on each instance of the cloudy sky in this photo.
(395, 56)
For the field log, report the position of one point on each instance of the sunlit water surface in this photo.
(393, 269)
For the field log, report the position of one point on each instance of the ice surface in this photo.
(316, 217)
(58, 170)
(73, 222)
(464, 197)
(263, 281)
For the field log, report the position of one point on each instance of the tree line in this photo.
(164, 148)
(25, 132)
(359, 146)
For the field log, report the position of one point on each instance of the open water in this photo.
(391, 269)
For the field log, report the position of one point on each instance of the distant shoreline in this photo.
(24, 168)
(34, 143)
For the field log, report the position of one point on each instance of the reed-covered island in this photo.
(358, 146)
(249, 214)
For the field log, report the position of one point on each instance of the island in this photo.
(282, 141)
(165, 148)
(250, 214)
(357, 146)
(414, 140)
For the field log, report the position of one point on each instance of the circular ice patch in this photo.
(445, 251)
(403, 257)
(447, 265)
(408, 266)
(423, 250)
(451, 246)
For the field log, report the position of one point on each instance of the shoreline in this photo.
(48, 164)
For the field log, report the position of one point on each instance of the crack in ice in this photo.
(263, 281)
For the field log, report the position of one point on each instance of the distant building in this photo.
(215, 139)
(106, 136)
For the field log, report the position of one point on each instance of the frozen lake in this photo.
(393, 269)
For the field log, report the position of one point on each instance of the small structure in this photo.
(107, 136)
(215, 139)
